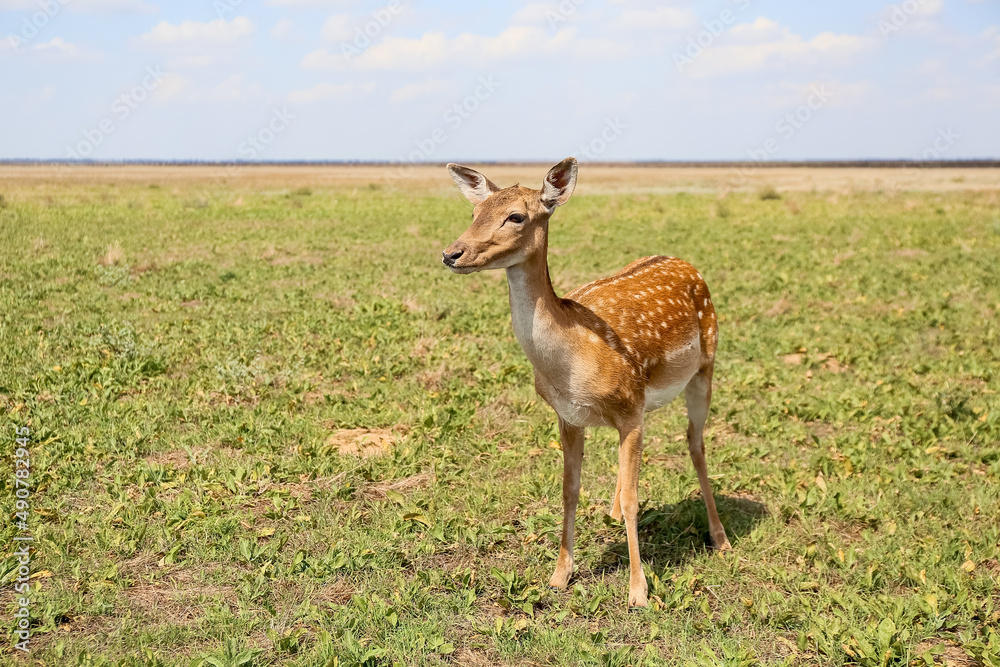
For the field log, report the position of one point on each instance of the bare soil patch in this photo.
(364, 442)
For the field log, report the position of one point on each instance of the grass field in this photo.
(269, 428)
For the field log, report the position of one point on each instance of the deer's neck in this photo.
(537, 313)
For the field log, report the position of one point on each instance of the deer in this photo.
(605, 353)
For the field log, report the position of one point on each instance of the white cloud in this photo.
(338, 28)
(311, 4)
(765, 44)
(434, 49)
(325, 91)
(285, 30)
(992, 38)
(941, 93)
(33, 99)
(56, 50)
(84, 6)
(56, 44)
(988, 97)
(45, 94)
(924, 8)
(112, 6)
(622, 21)
(356, 28)
(59, 50)
(192, 62)
(235, 89)
(537, 13)
(660, 18)
(197, 45)
(423, 88)
(934, 67)
(214, 33)
(916, 18)
(830, 93)
(175, 88)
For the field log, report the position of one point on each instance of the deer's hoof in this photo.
(721, 542)
(561, 578)
(637, 600)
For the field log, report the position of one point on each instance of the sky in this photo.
(509, 80)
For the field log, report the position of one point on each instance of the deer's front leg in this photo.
(572, 445)
(629, 459)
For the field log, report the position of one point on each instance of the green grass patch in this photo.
(269, 428)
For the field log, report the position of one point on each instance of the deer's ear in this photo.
(473, 185)
(559, 183)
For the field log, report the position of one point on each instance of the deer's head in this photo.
(508, 225)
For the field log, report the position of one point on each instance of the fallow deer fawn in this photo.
(604, 354)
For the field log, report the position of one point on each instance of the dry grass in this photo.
(380, 490)
(595, 179)
(363, 442)
(113, 255)
(178, 458)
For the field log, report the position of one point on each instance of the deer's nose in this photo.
(450, 258)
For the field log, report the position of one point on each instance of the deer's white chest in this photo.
(536, 330)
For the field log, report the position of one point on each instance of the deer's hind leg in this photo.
(698, 395)
(616, 500)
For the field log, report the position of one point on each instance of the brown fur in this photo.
(604, 354)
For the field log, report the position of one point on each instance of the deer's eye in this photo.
(516, 217)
